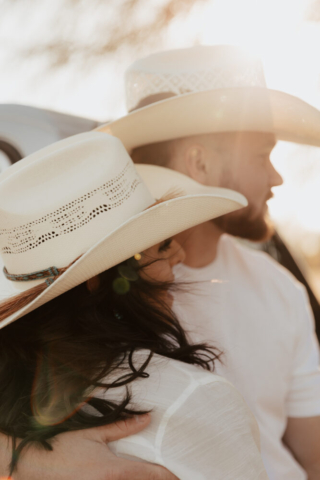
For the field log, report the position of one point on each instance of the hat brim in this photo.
(255, 109)
(139, 233)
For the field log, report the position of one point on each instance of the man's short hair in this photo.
(154, 153)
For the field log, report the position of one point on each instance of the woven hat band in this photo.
(50, 274)
(26, 277)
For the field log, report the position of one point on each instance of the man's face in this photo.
(242, 163)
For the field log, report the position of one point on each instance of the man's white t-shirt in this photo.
(254, 310)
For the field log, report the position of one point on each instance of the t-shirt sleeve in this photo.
(210, 433)
(303, 398)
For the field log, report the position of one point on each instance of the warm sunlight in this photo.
(276, 31)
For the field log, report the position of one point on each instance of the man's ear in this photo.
(196, 163)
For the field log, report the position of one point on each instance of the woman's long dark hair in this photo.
(52, 358)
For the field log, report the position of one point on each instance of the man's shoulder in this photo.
(258, 264)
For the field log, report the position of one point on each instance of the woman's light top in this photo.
(201, 428)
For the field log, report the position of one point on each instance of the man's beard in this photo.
(242, 224)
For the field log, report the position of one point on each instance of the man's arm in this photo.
(83, 455)
(302, 436)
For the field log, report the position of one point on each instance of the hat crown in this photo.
(193, 69)
(62, 200)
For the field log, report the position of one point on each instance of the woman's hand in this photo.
(83, 455)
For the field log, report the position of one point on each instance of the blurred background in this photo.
(70, 56)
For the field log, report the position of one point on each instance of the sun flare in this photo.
(277, 32)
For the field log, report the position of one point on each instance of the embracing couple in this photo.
(139, 339)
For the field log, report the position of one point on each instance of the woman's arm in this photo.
(82, 455)
(210, 433)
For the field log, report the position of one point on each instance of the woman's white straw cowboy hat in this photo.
(208, 89)
(82, 200)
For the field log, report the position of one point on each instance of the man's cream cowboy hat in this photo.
(208, 89)
(82, 201)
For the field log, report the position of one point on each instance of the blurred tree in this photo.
(84, 31)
